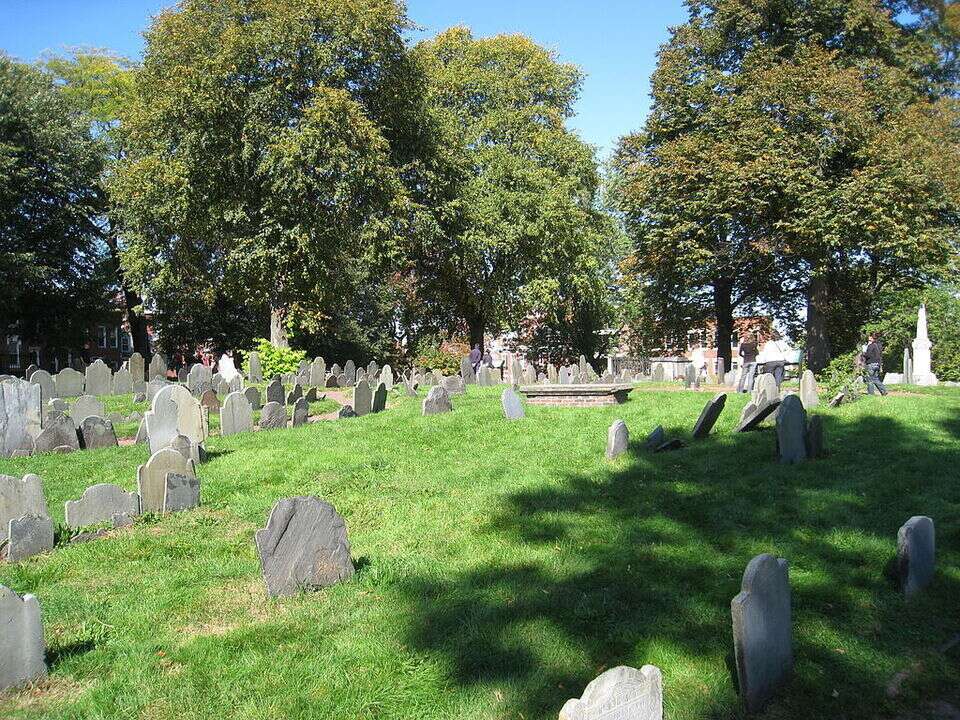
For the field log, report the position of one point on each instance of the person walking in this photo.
(873, 360)
(749, 352)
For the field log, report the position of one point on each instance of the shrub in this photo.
(437, 354)
(842, 375)
(274, 361)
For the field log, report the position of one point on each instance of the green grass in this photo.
(502, 566)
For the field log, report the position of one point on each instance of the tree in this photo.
(789, 152)
(267, 147)
(518, 231)
(51, 287)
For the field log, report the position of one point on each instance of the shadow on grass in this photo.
(60, 653)
(641, 566)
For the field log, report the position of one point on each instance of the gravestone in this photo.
(753, 415)
(466, 372)
(809, 395)
(346, 412)
(313, 396)
(273, 416)
(181, 492)
(22, 650)
(659, 374)
(791, 431)
(295, 394)
(362, 399)
(183, 374)
(158, 367)
(656, 438)
(386, 376)
(765, 391)
(708, 418)
(350, 372)
(122, 382)
(762, 636)
(30, 370)
(19, 497)
(318, 372)
(160, 423)
(97, 433)
(916, 554)
(529, 375)
(199, 378)
(210, 401)
(136, 367)
(512, 407)
(689, 376)
(301, 412)
(190, 418)
(252, 395)
(618, 439)
(254, 371)
(907, 367)
(236, 415)
(99, 379)
(152, 477)
(408, 389)
(62, 433)
(275, 392)
(621, 693)
(227, 369)
(332, 381)
(84, 407)
(152, 388)
(816, 443)
(379, 399)
(29, 535)
(372, 368)
(20, 416)
(48, 386)
(69, 383)
(304, 546)
(453, 385)
(141, 437)
(99, 503)
(437, 401)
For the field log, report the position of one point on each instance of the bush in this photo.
(438, 354)
(274, 361)
(842, 375)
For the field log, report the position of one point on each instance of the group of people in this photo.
(478, 358)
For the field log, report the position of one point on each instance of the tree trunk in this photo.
(137, 322)
(818, 345)
(477, 331)
(723, 307)
(278, 328)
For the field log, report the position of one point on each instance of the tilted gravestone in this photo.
(273, 416)
(453, 385)
(189, 450)
(656, 438)
(765, 391)
(181, 492)
(62, 433)
(762, 636)
(69, 383)
(512, 407)
(236, 415)
(97, 433)
(295, 394)
(98, 380)
(275, 392)
(379, 399)
(791, 431)
(20, 497)
(152, 476)
(753, 415)
(621, 693)
(22, 650)
(254, 371)
(304, 546)
(708, 418)
(301, 412)
(916, 554)
(99, 503)
(809, 395)
(84, 407)
(252, 395)
(618, 439)
(362, 399)
(20, 416)
(27, 536)
(437, 401)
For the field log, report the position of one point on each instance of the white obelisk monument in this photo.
(922, 372)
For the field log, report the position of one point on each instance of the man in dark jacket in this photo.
(749, 352)
(873, 360)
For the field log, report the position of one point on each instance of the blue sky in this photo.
(613, 41)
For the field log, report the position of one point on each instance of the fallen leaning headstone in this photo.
(99, 503)
(708, 418)
(621, 693)
(437, 401)
(916, 554)
(618, 439)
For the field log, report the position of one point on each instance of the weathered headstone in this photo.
(181, 492)
(512, 406)
(386, 377)
(437, 401)
(362, 399)
(621, 693)
(152, 388)
(809, 395)
(275, 392)
(708, 418)
(160, 422)
(295, 394)
(303, 547)
(618, 439)
(762, 636)
(753, 415)
(136, 367)
(199, 375)
(254, 371)
(372, 368)
(916, 554)
(301, 412)
(84, 407)
(27, 536)
(466, 372)
(99, 503)
(158, 367)
(379, 399)
(453, 385)
(350, 372)
(656, 438)
(236, 415)
(689, 376)
(792, 431)
(22, 650)
(252, 395)
(20, 416)
(97, 433)
(318, 372)
(48, 386)
(62, 433)
(122, 382)
(69, 383)
(152, 477)
(273, 416)
(19, 497)
(346, 411)
(210, 401)
(765, 390)
(659, 374)
(99, 379)
(190, 418)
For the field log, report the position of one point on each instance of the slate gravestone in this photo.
(809, 394)
(689, 376)
(273, 416)
(386, 377)
(453, 385)
(350, 372)
(48, 386)
(318, 371)
(656, 438)
(29, 535)
(219, 385)
(762, 636)
(183, 375)
(303, 547)
(362, 399)
(916, 554)
(312, 395)
(158, 367)
(31, 369)
(252, 395)
(153, 387)
(791, 431)
(379, 399)
(753, 415)
(136, 367)
(512, 407)
(151, 477)
(766, 390)
(254, 371)
(191, 420)
(160, 422)
(198, 375)
(99, 379)
(181, 492)
(141, 436)
(332, 381)
(236, 415)
(301, 412)
(122, 382)
(62, 433)
(84, 407)
(837, 400)
(373, 369)
(295, 394)
(618, 439)
(659, 375)
(69, 383)
(275, 392)
(437, 401)
(210, 401)
(621, 693)
(708, 418)
(22, 650)
(97, 433)
(816, 443)
(409, 389)
(346, 412)
(19, 497)
(466, 372)
(99, 503)
(20, 416)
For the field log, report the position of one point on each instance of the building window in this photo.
(125, 343)
(114, 332)
(102, 336)
(13, 343)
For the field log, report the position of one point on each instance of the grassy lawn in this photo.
(502, 566)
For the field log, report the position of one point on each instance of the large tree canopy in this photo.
(267, 147)
(796, 152)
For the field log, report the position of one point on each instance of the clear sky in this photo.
(613, 41)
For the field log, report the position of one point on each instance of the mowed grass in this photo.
(502, 566)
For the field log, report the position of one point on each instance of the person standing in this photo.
(873, 360)
(475, 357)
(749, 352)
